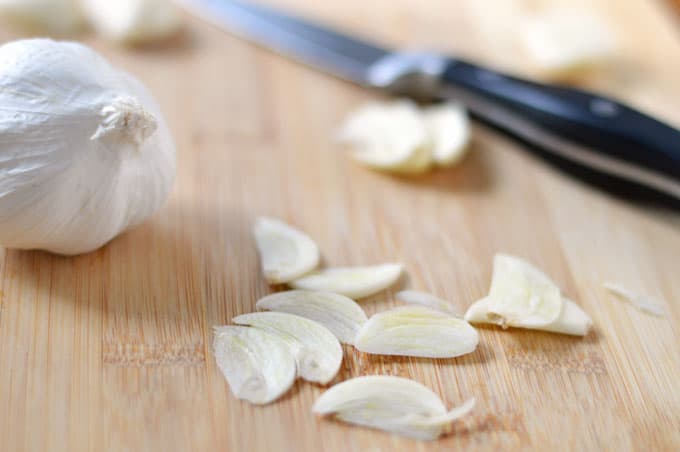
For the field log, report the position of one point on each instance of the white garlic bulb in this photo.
(84, 150)
(133, 21)
(59, 17)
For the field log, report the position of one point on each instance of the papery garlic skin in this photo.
(56, 17)
(84, 150)
(133, 21)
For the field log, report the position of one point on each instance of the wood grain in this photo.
(111, 350)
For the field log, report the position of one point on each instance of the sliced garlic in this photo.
(521, 295)
(317, 352)
(388, 136)
(340, 314)
(353, 282)
(561, 42)
(416, 331)
(641, 302)
(392, 404)
(572, 320)
(258, 366)
(449, 129)
(427, 300)
(285, 252)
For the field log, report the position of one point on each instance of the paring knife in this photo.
(596, 137)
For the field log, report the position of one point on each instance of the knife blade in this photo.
(594, 137)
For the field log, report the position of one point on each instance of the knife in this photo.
(597, 138)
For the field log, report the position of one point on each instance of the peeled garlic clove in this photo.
(572, 320)
(392, 404)
(258, 366)
(561, 42)
(427, 300)
(56, 17)
(341, 315)
(388, 136)
(353, 282)
(449, 129)
(521, 295)
(416, 331)
(85, 151)
(133, 21)
(318, 353)
(285, 252)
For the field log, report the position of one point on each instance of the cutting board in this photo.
(112, 350)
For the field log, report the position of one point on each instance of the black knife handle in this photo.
(595, 132)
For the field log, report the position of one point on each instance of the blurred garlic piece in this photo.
(318, 353)
(341, 315)
(449, 129)
(285, 252)
(353, 282)
(389, 136)
(562, 42)
(641, 302)
(133, 21)
(54, 17)
(393, 404)
(416, 331)
(258, 365)
(426, 299)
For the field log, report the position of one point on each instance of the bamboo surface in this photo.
(111, 350)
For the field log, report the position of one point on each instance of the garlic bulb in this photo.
(132, 21)
(52, 16)
(84, 150)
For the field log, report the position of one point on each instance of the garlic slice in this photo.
(572, 320)
(392, 404)
(449, 129)
(285, 252)
(417, 331)
(258, 366)
(388, 136)
(561, 42)
(353, 282)
(521, 295)
(641, 302)
(317, 352)
(340, 314)
(427, 300)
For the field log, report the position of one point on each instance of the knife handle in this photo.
(596, 134)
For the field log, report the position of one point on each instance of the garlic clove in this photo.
(55, 17)
(317, 352)
(572, 320)
(416, 331)
(449, 129)
(392, 404)
(388, 136)
(426, 299)
(258, 366)
(563, 42)
(133, 21)
(353, 282)
(521, 295)
(285, 252)
(341, 315)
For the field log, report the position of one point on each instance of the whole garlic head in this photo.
(84, 150)
(61, 17)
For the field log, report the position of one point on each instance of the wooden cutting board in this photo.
(111, 350)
